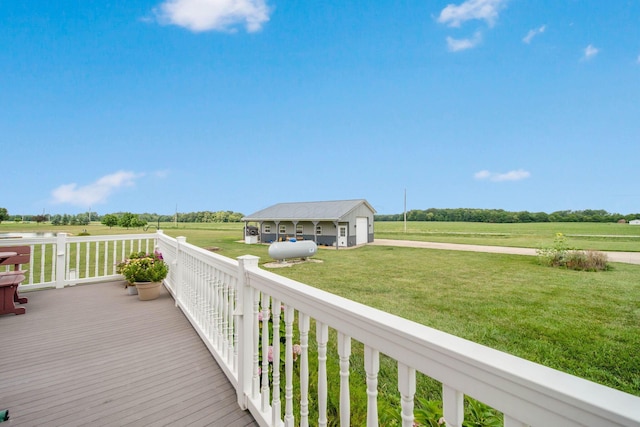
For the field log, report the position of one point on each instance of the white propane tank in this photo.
(297, 249)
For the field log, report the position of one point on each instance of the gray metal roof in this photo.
(321, 211)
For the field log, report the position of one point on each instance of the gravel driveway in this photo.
(626, 257)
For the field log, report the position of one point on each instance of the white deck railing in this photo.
(66, 260)
(240, 311)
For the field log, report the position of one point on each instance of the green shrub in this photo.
(555, 255)
(560, 255)
(587, 261)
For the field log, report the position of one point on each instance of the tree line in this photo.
(130, 220)
(502, 216)
(123, 219)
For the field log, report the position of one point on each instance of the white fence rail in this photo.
(65, 260)
(247, 316)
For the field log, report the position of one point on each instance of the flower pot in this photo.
(132, 290)
(148, 290)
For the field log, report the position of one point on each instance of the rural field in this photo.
(584, 323)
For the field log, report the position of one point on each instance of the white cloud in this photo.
(515, 175)
(590, 52)
(532, 33)
(214, 15)
(96, 192)
(455, 45)
(486, 10)
(484, 174)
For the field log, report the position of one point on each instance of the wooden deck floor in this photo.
(93, 355)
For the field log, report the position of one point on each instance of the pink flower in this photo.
(270, 354)
(261, 316)
(297, 351)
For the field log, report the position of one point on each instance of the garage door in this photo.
(362, 230)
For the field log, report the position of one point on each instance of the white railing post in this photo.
(246, 328)
(344, 352)
(275, 376)
(178, 266)
(371, 367)
(255, 325)
(264, 342)
(407, 389)
(322, 337)
(289, 419)
(303, 327)
(452, 406)
(61, 260)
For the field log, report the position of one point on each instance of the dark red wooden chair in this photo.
(10, 280)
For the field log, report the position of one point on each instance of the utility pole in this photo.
(405, 210)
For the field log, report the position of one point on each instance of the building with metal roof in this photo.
(340, 223)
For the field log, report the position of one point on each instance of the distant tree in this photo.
(4, 214)
(82, 219)
(39, 218)
(110, 220)
(126, 220)
(137, 222)
(56, 219)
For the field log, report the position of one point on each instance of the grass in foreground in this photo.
(582, 323)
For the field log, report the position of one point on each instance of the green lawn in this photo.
(587, 324)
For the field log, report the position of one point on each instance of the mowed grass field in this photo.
(584, 323)
(596, 236)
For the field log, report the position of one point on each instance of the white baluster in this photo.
(233, 354)
(265, 353)
(303, 327)
(344, 352)
(225, 317)
(371, 367)
(232, 336)
(322, 336)
(275, 345)
(407, 389)
(219, 302)
(255, 388)
(452, 406)
(289, 419)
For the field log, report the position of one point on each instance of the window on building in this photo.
(266, 228)
(318, 229)
(299, 229)
(283, 229)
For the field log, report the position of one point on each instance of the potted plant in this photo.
(146, 272)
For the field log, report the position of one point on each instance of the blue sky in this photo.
(149, 106)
